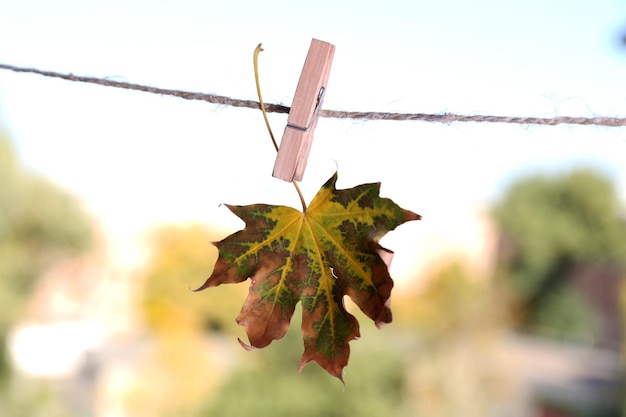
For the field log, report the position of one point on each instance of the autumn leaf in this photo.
(316, 258)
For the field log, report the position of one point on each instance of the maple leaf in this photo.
(316, 258)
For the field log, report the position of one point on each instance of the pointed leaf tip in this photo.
(410, 216)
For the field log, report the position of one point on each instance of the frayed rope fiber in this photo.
(337, 114)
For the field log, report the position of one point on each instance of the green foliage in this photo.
(268, 387)
(457, 324)
(438, 358)
(5, 368)
(453, 302)
(35, 398)
(622, 299)
(550, 227)
(39, 224)
(316, 258)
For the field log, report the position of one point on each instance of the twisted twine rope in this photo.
(337, 114)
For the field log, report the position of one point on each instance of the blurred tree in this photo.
(182, 259)
(560, 235)
(39, 223)
(271, 386)
(187, 355)
(623, 353)
(453, 302)
(457, 345)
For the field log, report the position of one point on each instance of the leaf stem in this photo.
(257, 51)
(295, 184)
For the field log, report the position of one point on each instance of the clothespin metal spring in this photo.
(316, 113)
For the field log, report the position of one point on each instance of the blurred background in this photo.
(510, 294)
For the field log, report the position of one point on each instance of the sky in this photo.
(137, 160)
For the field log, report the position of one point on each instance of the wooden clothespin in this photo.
(307, 102)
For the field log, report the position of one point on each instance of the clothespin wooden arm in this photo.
(307, 101)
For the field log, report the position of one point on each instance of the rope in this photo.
(337, 114)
